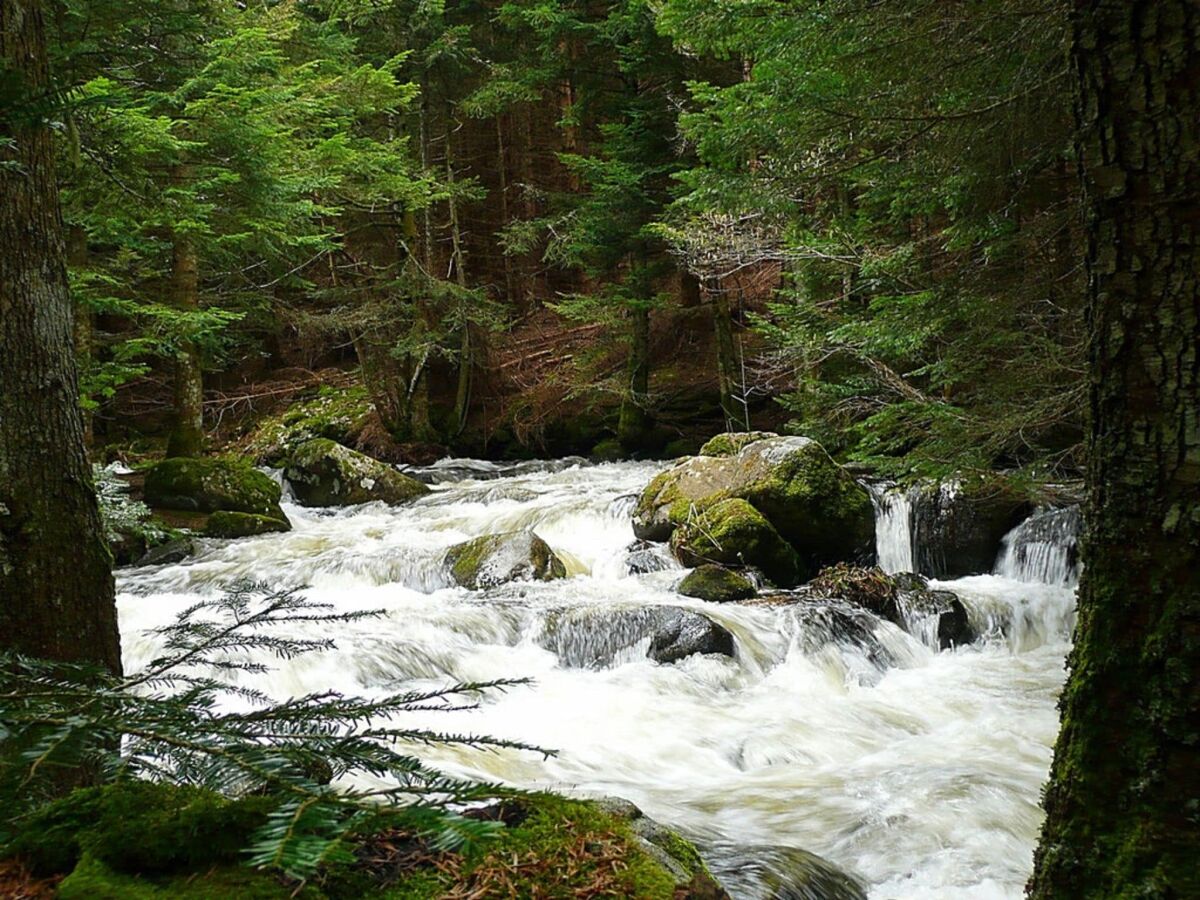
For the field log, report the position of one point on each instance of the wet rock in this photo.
(814, 504)
(226, 524)
(324, 473)
(941, 612)
(169, 554)
(209, 485)
(643, 558)
(495, 559)
(683, 633)
(127, 546)
(1045, 547)
(716, 584)
(599, 636)
(734, 533)
(782, 873)
(669, 849)
(958, 526)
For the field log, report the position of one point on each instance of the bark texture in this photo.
(56, 586)
(1123, 803)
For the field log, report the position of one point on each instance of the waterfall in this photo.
(1044, 548)
(893, 528)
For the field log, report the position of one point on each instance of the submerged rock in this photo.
(783, 873)
(211, 485)
(495, 559)
(226, 524)
(941, 612)
(324, 473)
(814, 504)
(732, 532)
(716, 584)
(169, 554)
(643, 558)
(594, 637)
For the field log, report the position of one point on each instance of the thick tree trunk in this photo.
(1123, 804)
(56, 586)
(634, 420)
(187, 434)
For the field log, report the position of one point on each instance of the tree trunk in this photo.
(187, 435)
(56, 586)
(733, 403)
(466, 362)
(634, 420)
(77, 255)
(1122, 818)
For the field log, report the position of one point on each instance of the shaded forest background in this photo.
(535, 227)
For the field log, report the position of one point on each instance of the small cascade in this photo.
(893, 528)
(1044, 548)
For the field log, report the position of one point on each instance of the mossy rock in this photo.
(322, 472)
(140, 827)
(338, 414)
(495, 559)
(734, 533)
(93, 880)
(209, 485)
(226, 524)
(608, 450)
(815, 504)
(731, 442)
(716, 584)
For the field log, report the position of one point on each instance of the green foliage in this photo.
(174, 722)
(121, 514)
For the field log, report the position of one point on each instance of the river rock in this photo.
(716, 584)
(168, 554)
(210, 485)
(495, 559)
(942, 612)
(324, 473)
(734, 533)
(813, 503)
(594, 637)
(682, 634)
(731, 442)
(958, 526)
(642, 558)
(783, 873)
(226, 524)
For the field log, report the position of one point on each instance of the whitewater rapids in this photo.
(915, 770)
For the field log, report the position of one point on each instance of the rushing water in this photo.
(917, 771)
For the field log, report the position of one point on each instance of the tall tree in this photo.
(56, 586)
(1123, 804)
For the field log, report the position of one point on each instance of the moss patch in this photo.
(731, 443)
(208, 485)
(494, 559)
(716, 584)
(226, 524)
(339, 414)
(732, 532)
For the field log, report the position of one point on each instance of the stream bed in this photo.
(916, 770)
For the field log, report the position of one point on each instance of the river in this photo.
(916, 770)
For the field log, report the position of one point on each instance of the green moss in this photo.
(93, 880)
(496, 558)
(324, 473)
(139, 827)
(208, 485)
(732, 532)
(225, 524)
(730, 443)
(338, 414)
(608, 450)
(716, 584)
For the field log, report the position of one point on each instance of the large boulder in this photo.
(495, 559)
(324, 473)
(209, 485)
(958, 526)
(734, 533)
(815, 504)
(716, 584)
(731, 442)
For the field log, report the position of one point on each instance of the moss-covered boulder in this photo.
(716, 584)
(608, 450)
(226, 524)
(322, 472)
(209, 485)
(494, 559)
(734, 533)
(337, 413)
(815, 504)
(731, 442)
